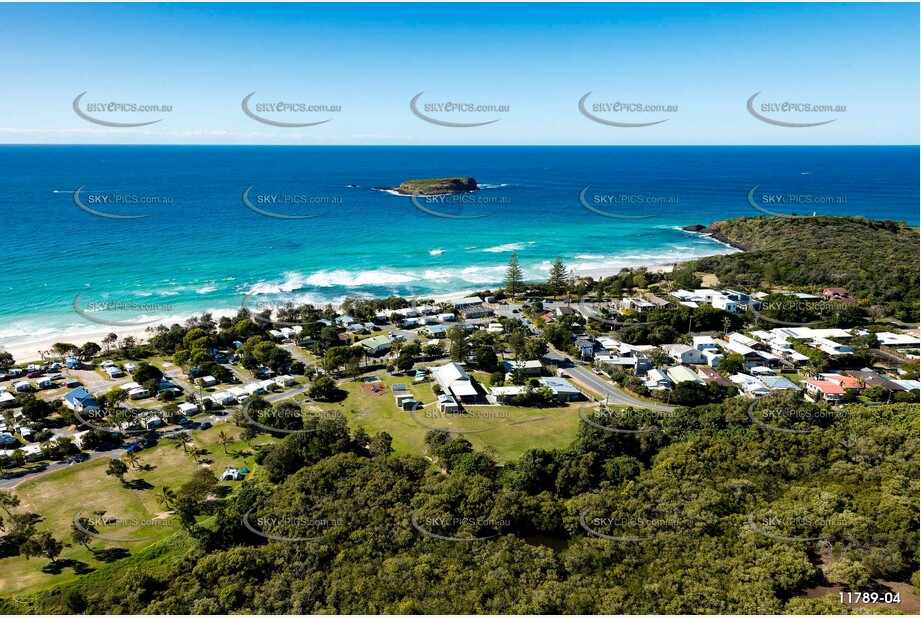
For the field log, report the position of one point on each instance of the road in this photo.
(599, 385)
(13, 479)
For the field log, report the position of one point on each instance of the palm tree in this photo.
(165, 497)
(131, 459)
(196, 453)
(224, 439)
(183, 441)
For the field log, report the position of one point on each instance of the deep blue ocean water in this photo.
(206, 249)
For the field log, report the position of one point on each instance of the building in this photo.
(838, 294)
(7, 400)
(660, 303)
(635, 304)
(656, 380)
(470, 301)
(565, 311)
(705, 343)
(749, 386)
(563, 389)
(476, 311)
(779, 383)
(454, 380)
(80, 400)
(848, 383)
(871, 378)
(529, 367)
(823, 390)
(680, 373)
(447, 405)
(712, 375)
(375, 345)
(685, 354)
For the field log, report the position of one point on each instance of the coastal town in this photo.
(456, 358)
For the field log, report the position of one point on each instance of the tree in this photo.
(108, 340)
(89, 350)
(459, 346)
(131, 458)
(224, 439)
(118, 469)
(6, 360)
(36, 409)
(8, 500)
(559, 277)
(165, 497)
(42, 544)
(324, 389)
(183, 441)
(381, 444)
(513, 276)
(78, 534)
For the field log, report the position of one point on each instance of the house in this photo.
(138, 393)
(222, 398)
(779, 383)
(188, 409)
(454, 380)
(80, 400)
(660, 303)
(708, 374)
(495, 327)
(476, 311)
(565, 311)
(908, 385)
(712, 359)
(741, 339)
(684, 354)
(656, 380)
(7, 400)
(563, 389)
(871, 378)
(446, 317)
(749, 386)
(470, 301)
(44, 382)
(344, 320)
(528, 367)
(285, 381)
(447, 405)
(832, 348)
(152, 421)
(375, 345)
(631, 303)
(896, 340)
(239, 393)
(839, 294)
(818, 390)
(585, 346)
(114, 371)
(705, 343)
(207, 381)
(751, 356)
(761, 370)
(254, 388)
(680, 373)
(848, 383)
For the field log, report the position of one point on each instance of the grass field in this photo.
(509, 431)
(85, 487)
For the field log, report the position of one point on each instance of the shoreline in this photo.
(28, 351)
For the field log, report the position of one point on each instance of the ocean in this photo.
(196, 245)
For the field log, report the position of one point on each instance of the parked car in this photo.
(205, 425)
(34, 374)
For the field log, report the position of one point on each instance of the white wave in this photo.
(512, 246)
(206, 289)
(436, 251)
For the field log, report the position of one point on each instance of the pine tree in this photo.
(558, 277)
(513, 276)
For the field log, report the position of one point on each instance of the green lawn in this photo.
(510, 430)
(58, 495)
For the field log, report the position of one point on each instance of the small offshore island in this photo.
(435, 186)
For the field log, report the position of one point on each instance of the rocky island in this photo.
(435, 186)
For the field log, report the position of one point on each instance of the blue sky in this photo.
(538, 59)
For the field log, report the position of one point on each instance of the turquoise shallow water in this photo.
(201, 247)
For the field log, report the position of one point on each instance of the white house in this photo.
(446, 404)
(704, 342)
(285, 381)
(188, 408)
(656, 380)
(684, 354)
(207, 381)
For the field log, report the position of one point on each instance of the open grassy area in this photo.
(85, 487)
(509, 431)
